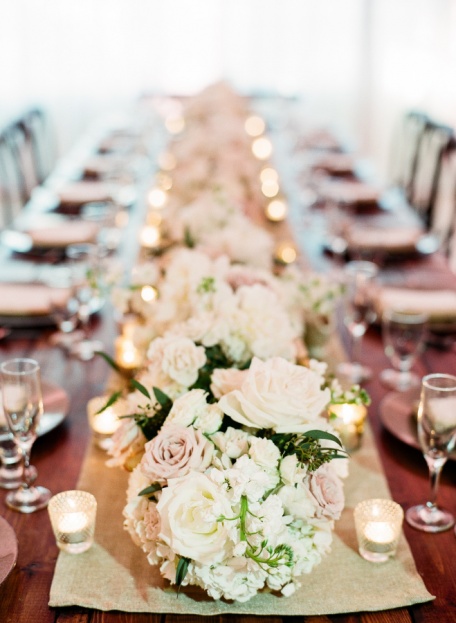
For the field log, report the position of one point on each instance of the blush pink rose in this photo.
(175, 452)
(327, 489)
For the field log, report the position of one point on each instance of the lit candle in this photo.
(380, 535)
(72, 527)
(378, 525)
(254, 125)
(157, 197)
(150, 237)
(276, 210)
(149, 293)
(349, 423)
(73, 515)
(286, 253)
(262, 148)
(127, 354)
(270, 188)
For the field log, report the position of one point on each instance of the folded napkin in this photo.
(351, 192)
(25, 299)
(78, 193)
(336, 163)
(438, 305)
(393, 239)
(71, 232)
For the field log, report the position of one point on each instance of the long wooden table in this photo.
(58, 456)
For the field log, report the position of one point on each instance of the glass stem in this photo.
(356, 347)
(435, 468)
(26, 479)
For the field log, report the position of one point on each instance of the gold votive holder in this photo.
(378, 524)
(103, 423)
(73, 516)
(349, 423)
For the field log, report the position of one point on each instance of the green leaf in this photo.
(109, 360)
(150, 489)
(321, 434)
(181, 570)
(162, 399)
(140, 388)
(111, 400)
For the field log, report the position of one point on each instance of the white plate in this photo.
(8, 549)
(56, 404)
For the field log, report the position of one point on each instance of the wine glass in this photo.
(359, 313)
(403, 339)
(64, 306)
(437, 437)
(23, 407)
(87, 282)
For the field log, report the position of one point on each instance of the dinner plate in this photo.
(398, 416)
(56, 404)
(8, 549)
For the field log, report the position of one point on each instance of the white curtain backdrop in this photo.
(357, 64)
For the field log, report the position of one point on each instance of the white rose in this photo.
(187, 408)
(182, 360)
(264, 452)
(290, 470)
(277, 394)
(189, 509)
(210, 420)
(233, 442)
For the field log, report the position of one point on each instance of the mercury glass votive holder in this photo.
(378, 524)
(73, 516)
(349, 420)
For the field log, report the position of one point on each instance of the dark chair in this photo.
(405, 149)
(434, 144)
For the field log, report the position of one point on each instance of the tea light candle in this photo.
(150, 237)
(72, 515)
(378, 525)
(103, 423)
(349, 423)
(276, 210)
(127, 355)
(286, 253)
(254, 125)
(157, 198)
(262, 148)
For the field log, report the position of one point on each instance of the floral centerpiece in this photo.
(236, 473)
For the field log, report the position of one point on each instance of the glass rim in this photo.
(361, 266)
(427, 381)
(34, 366)
(399, 313)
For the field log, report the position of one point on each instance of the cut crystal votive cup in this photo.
(73, 516)
(378, 524)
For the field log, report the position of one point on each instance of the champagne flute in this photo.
(23, 407)
(358, 314)
(403, 339)
(87, 286)
(437, 437)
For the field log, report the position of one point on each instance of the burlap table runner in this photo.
(114, 573)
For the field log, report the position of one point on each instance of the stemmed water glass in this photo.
(403, 339)
(85, 264)
(23, 408)
(64, 306)
(10, 459)
(359, 313)
(437, 437)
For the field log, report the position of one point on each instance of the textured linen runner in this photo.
(115, 575)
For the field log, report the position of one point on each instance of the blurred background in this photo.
(355, 65)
